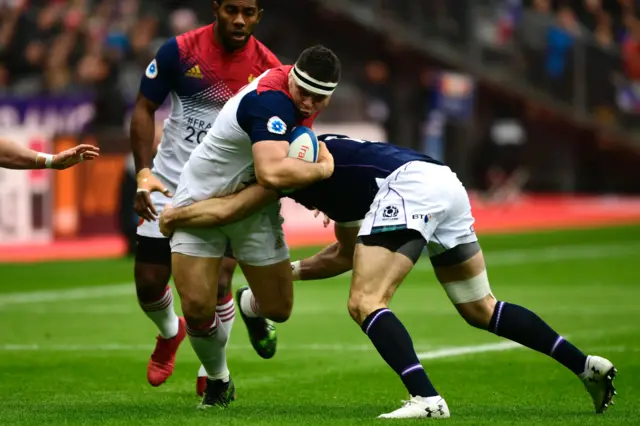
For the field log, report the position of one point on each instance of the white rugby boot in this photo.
(598, 379)
(418, 407)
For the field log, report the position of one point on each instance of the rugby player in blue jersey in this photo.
(388, 203)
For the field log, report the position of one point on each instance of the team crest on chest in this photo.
(251, 78)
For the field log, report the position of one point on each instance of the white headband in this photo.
(311, 84)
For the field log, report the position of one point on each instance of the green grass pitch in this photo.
(74, 345)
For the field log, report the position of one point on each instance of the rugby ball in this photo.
(303, 144)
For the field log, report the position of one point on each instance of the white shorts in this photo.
(159, 200)
(428, 198)
(257, 240)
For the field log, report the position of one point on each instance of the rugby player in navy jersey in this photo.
(388, 203)
(200, 71)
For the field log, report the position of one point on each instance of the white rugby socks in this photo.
(162, 314)
(226, 313)
(209, 344)
(249, 305)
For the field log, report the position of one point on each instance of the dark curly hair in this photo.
(320, 63)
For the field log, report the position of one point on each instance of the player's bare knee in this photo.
(197, 310)
(356, 309)
(151, 280)
(362, 304)
(478, 314)
(278, 311)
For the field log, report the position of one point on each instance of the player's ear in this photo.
(259, 18)
(216, 8)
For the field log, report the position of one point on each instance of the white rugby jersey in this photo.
(262, 111)
(200, 77)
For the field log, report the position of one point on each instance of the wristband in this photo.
(48, 159)
(295, 270)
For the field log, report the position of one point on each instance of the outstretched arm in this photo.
(14, 156)
(217, 211)
(333, 260)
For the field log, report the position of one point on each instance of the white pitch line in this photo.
(442, 353)
(494, 258)
(445, 352)
(469, 350)
(80, 293)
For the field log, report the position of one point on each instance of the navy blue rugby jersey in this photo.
(347, 195)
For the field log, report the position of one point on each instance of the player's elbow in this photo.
(270, 179)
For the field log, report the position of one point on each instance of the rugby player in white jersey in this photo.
(200, 70)
(248, 143)
(389, 202)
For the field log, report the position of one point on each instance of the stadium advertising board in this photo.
(42, 205)
(25, 197)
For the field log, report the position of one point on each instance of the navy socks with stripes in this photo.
(394, 344)
(523, 326)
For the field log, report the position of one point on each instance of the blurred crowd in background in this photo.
(579, 59)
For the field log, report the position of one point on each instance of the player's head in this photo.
(313, 79)
(235, 21)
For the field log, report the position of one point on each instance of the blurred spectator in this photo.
(601, 74)
(502, 156)
(379, 96)
(589, 13)
(98, 75)
(631, 49)
(4, 79)
(183, 20)
(561, 39)
(430, 121)
(534, 36)
(603, 32)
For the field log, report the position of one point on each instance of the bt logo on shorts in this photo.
(390, 213)
(424, 217)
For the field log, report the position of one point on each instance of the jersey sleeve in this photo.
(268, 116)
(158, 78)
